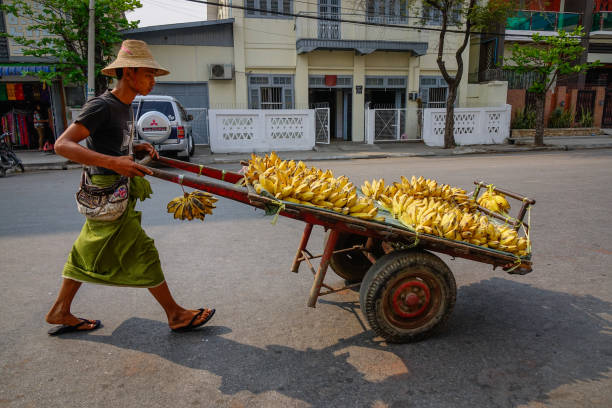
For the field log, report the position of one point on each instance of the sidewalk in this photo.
(34, 160)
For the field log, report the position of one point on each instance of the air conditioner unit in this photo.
(220, 71)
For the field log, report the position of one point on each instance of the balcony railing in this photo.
(543, 21)
(330, 29)
(515, 80)
(602, 21)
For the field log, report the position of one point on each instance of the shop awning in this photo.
(18, 69)
(362, 47)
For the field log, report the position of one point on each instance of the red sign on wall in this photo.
(331, 80)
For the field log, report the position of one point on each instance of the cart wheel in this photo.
(352, 266)
(406, 295)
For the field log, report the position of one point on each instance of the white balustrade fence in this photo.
(472, 125)
(258, 130)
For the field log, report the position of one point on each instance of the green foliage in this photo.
(585, 119)
(548, 57)
(65, 24)
(561, 119)
(526, 119)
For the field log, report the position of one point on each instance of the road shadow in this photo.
(507, 344)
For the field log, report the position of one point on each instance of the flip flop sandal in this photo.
(192, 326)
(63, 329)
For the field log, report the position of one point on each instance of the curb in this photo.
(48, 166)
(206, 159)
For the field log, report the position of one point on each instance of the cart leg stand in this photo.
(303, 243)
(318, 281)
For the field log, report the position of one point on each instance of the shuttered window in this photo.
(387, 11)
(433, 91)
(385, 82)
(264, 8)
(270, 91)
(433, 16)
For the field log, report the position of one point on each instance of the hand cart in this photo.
(406, 292)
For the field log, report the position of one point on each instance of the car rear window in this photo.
(158, 106)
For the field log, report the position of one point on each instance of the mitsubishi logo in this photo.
(153, 123)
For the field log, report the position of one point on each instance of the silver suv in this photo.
(162, 121)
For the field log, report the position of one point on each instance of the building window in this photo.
(318, 81)
(387, 11)
(433, 16)
(267, 8)
(433, 91)
(270, 91)
(385, 82)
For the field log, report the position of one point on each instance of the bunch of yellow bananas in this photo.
(439, 209)
(373, 190)
(457, 222)
(297, 183)
(415, 187)
(189, 206)
(494, 201)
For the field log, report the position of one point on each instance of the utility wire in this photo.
(341, 20)
(355, 12)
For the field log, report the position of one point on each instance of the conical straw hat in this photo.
(134, 54)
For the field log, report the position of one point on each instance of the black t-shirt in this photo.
(107, 119)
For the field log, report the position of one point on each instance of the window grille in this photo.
(314, 81)
(385, 82)
(433, 91)
(264, 96)
(344, 81)
(433, 16)
(387, 11)
(265, 8)
(318, 81)
(261, 80)
(396, 82)
(271, 98)
(375, 82)
(437, 97)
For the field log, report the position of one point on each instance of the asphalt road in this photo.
(543, 339)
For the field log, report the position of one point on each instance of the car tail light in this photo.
(180, 132)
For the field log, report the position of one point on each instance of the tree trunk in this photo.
(449, 127)
(539, 130)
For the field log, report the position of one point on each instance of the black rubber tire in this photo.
(352, 266)
(192, 150)
(386, 274)
(2, 171)
(20, 165)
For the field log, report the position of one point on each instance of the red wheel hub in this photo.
(411, 299)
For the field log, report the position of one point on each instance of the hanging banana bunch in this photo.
(494, 201)
(189, 206)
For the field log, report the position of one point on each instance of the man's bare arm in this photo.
(68, 146)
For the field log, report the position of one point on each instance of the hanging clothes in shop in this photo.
(19, 92)
(16, 123)
(10, 92)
